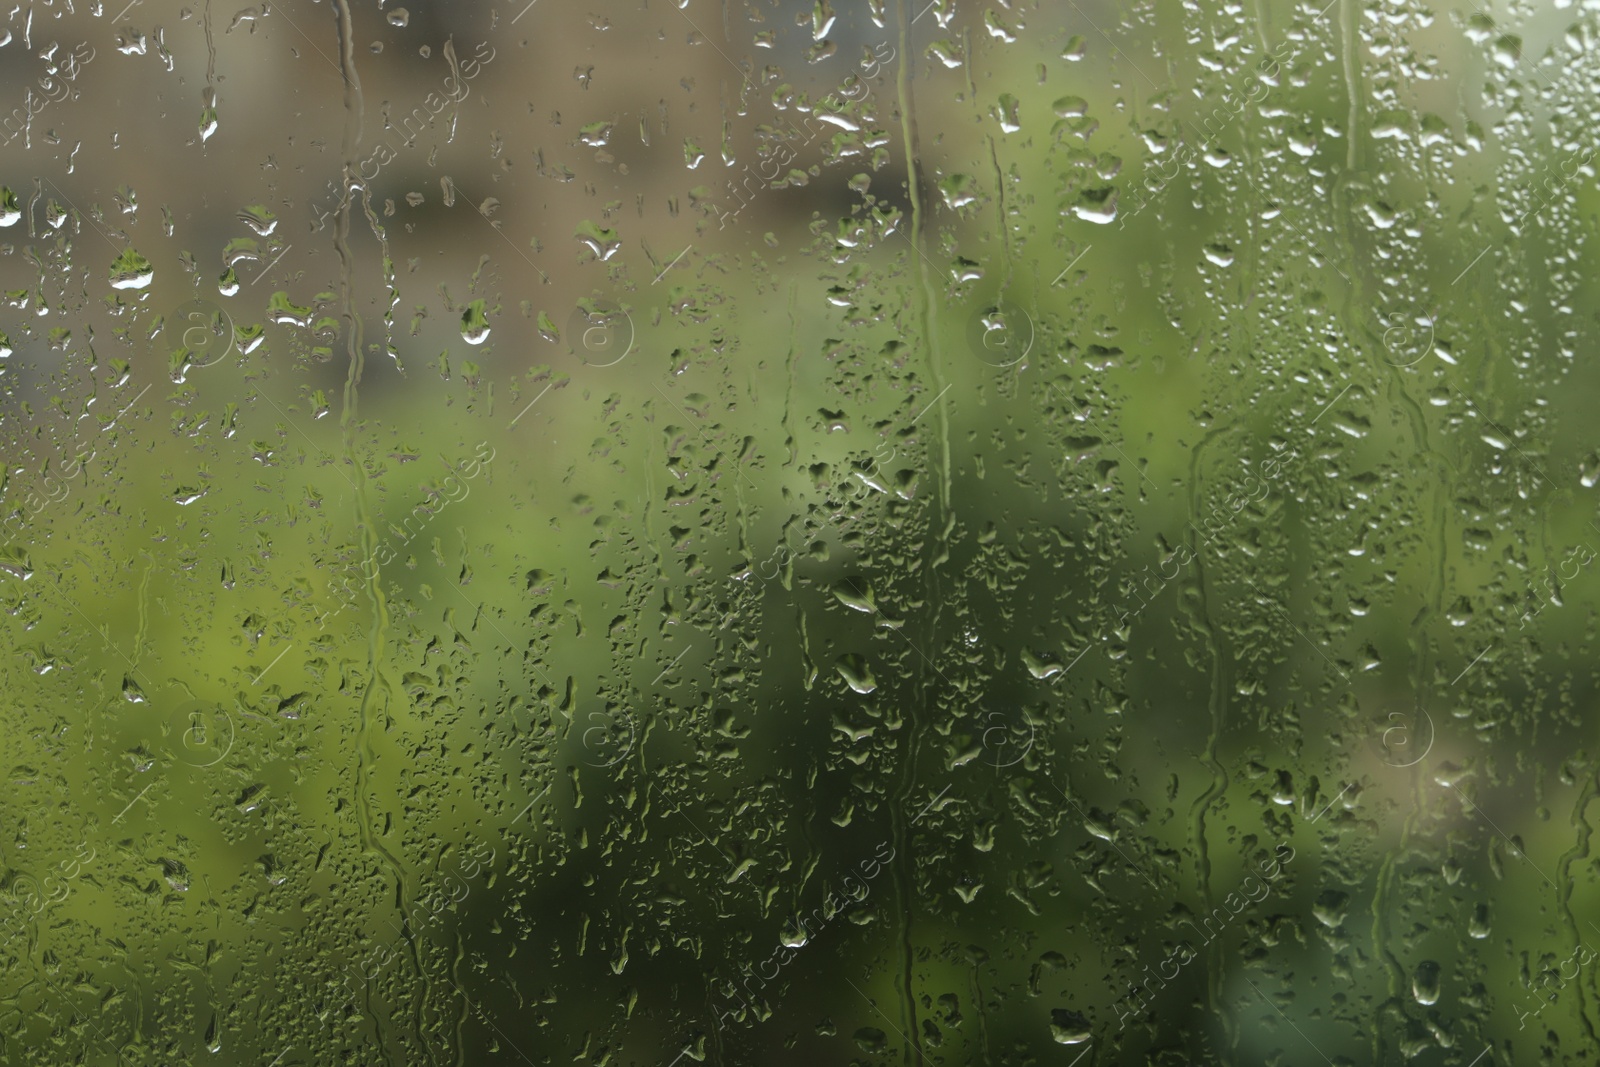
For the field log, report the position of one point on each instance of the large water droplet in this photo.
(1009, 113)
(854, 670)
(1069, 1027)
(1425, 983)
(1330, 907)
(474, 324)
(131, 271)
(16, 562)
(599, 240)
(1097, 205)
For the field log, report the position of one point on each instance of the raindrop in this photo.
(1425, 983)
(1069, 1027)
(474, 324)
(1589, 470)
(1330, 906)
(1010, 119)
(131, 271)
(1071, 107)
(958, 191)
(208, 114)
(1097, 205)
(854, 670)
(871, 1039)
(599, 240)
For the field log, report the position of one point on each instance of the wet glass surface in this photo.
(867, 533)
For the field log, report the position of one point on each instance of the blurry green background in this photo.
(549, 605)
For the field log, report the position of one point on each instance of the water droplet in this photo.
(1589, 470)
(131, 271)
(16, 563)
(599, 240)
(1069, 1027)
(871, 1039)
(958, 191)
(1041, 668)
(847, 594)
(1480, 28)
(208, 113)
(1070, 107)
(259, 219)
(854, 670)
(1508, 51)
(474, 324)
(1283, 792)
(1330, 907)
(284, 313)
(1425, 983)
(1009, 113)
(1097, 205)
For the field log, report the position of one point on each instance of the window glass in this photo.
(640, 532)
